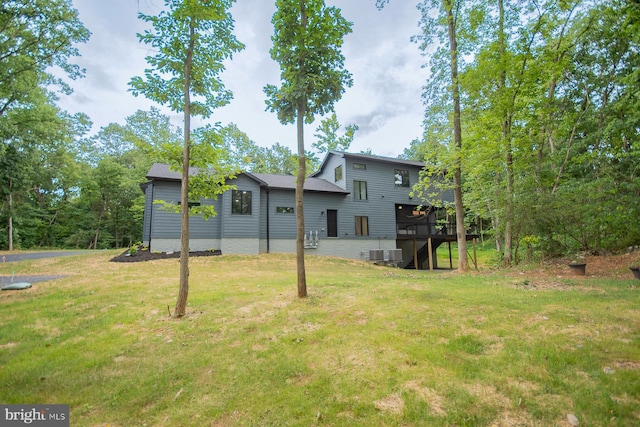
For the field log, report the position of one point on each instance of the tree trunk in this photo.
(302, 166)
(183, 294)
(302, 279)
(506, 139)
(461, 232)
(95, 237)
(10, 236)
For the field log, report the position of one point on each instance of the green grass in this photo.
(370, 346)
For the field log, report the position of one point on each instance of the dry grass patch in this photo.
(392, 404)
(370, 346)
(433, 399)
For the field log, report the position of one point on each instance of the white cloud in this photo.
(384, 100)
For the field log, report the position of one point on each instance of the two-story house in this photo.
(353, 205)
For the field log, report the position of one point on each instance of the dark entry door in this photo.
(332, 223)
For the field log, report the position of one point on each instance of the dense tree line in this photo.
(550, 126)
(549, 110)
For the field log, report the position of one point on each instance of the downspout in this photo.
(153, 191)
(268, 242)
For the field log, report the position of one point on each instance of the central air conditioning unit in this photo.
(395, 255)
(376, 255)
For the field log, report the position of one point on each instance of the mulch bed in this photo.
(149, 256)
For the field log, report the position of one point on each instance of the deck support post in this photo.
(430, 254)
(415, 254)
(450, 257)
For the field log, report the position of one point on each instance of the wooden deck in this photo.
(427, 238)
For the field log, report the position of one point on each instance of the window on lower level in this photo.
(191, 203)
(285, 210)
(240, 202)
(360, 190)
(362, 226)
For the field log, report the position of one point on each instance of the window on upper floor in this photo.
(360, 190)
(338, 173)
(362, 226)
(401, 177)
(360, 166)
(240, 202)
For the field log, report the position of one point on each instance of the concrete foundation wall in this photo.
(343, 248)
(240, 246)
(173, 245)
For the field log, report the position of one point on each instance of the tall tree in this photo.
(448, 6)
(245, 154)
(307, 42)
(548, 103)
(327, 134)
(194, 38)
(442, 20)
(36, 37)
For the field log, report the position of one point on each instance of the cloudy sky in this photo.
(384, 100)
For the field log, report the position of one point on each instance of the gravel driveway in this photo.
(38, 255)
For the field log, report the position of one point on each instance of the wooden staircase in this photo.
(423, 252)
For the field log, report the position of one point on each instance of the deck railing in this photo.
(425, 229)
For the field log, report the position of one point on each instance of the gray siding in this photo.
(380, 206)
(166, 224)
(242, 226)
(328, 172)
(250, 233)
(382, 197)
(380, 180)
(283, 225)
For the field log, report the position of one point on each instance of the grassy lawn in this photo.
(370, 346)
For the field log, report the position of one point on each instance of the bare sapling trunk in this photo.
(302, 165)
(183, 294)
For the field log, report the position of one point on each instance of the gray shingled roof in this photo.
(282, 182)
(367, 157)
(163, 171)
(380, 159)
(288, 182)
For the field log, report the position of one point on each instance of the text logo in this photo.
(34, 415)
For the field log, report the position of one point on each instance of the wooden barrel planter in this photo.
(635, 271)
(578, 269)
